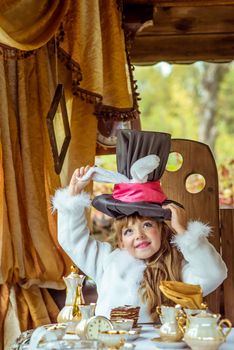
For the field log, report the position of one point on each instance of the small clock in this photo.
(107, 132)
(95, 325)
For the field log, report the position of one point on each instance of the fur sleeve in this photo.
(63, 201)
(74, 235)
(203, 264)
(194, 234)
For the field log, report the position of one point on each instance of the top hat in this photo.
(141, 161)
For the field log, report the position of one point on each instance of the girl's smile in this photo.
(141, 238)
(142, 245)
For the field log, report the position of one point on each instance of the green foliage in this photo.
(226, 188)
(107, 162)
(170, 102)
(167, 100)
(171, 97)
(225, 113)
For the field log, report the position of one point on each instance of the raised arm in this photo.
(203, 264)
(73, 234)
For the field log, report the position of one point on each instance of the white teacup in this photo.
(58, 329)
(124, 324)
(113, 338)
(168, 313)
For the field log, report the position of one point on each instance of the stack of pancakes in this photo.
(125, 312)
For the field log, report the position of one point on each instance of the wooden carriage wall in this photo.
(184, 31)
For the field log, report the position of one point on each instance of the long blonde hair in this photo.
(164, 265)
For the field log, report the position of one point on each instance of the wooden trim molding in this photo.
(187, 3)
(58, 101)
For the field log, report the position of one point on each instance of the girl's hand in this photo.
(179, 219)
(76, 184)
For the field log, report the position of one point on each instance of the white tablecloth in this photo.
(148, 332)
(144, 342)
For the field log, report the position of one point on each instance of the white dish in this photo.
(123, 324)
(169, 344)
(70, 344)
(132, 335)
(127, 346)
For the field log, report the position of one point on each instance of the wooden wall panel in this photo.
(178, 3)
(180, 31)
(182, 48)
(227, 241)
(192, 20)
(204, 206)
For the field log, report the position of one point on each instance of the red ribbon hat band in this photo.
(139, 192)
(141, 161)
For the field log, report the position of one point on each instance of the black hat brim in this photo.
(117, 209)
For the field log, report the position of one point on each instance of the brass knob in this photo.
(74, 269)
(204, 306)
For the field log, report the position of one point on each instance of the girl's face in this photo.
(141, 238)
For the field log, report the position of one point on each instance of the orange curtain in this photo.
(28, 25)
(91, 63)
(30, 256)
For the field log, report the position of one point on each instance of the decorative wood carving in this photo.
(58, 101)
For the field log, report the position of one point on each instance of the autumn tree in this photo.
(190, 101)
(212, 76)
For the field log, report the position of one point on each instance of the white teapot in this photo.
(205, 331)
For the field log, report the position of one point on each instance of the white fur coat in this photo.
(116, 273)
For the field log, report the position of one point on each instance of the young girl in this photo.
(148, 250)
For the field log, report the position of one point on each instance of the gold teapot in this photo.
(74, 297)
(205, 331)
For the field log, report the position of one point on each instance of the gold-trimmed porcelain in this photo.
(74, 297)
(123, 324)
(170, 329)
(114, 339)
(160, 343)
(205, 331)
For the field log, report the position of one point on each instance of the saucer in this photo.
(163, 344)
(133, 335)
(127, 346)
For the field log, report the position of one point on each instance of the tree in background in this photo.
(212, 77)
(190, 101)
(193, 102)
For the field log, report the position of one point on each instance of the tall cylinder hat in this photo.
(141, 160)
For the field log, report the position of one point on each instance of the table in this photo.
(148, 332)
(142, 343)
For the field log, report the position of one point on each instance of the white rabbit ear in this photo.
(143, 167)
(103, 175)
